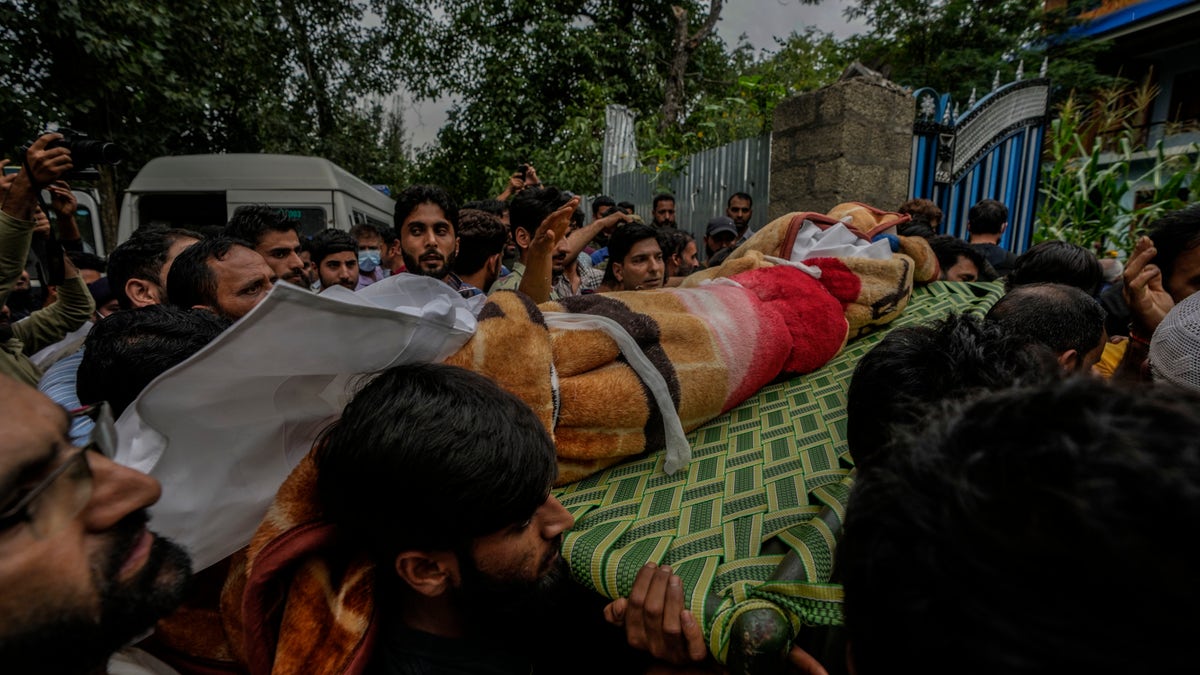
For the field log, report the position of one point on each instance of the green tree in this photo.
(956, 46)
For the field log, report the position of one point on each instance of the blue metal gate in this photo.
(991, 151)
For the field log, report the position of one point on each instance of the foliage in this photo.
(956, 46)
(1096, 193)
(217, 76)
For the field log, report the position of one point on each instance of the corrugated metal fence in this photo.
(703, 188)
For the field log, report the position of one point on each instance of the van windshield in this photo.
(191, 211)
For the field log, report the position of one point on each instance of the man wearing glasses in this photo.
(82, 576)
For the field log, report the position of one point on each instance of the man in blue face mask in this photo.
(372, 251)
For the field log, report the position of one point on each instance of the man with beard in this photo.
(426, 220)
(82, 574)
(739, 208)
(335, 257)
(274, 236)
(458, 514)
(222, 275)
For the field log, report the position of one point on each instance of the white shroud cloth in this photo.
(222, 430)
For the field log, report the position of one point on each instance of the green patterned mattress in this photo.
(770, 476)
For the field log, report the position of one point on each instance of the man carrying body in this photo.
(467, 544)
(1064, 319)
(739, 208)
(986, 222)
(275, 237)
(222, 275)
(82, 574)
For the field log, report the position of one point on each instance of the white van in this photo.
(194, 191)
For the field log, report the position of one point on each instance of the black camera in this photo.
(86, 153)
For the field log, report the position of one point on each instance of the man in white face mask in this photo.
(371, 251)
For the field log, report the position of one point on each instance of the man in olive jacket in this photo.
(74, 305)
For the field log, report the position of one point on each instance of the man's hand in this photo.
(554, 227)
(655, 619)
(531, 177)
(62, 200)
(6, 180)
(46, 166)
(611, 221)
(1148, 301)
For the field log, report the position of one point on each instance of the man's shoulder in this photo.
(512, 281)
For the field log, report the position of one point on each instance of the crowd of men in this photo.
(1002, 480)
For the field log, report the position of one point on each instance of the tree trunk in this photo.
(681, 51)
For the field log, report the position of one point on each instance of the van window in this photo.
(312, 219)
(361, 218)
(83, 218)
(191, 211)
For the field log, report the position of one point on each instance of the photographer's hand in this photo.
(39, 168)
(515, 185)
(531, 177)
(64, 204)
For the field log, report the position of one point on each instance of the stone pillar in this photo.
(849, 142)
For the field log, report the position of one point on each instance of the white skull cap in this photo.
(1175, 347)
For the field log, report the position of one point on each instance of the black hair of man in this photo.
(601, 202)
(1174, 233)
(388, 234)
(996, 528)
(394, 474)
(739, 195)
(532, 205)
(672, 241)
(493, 206)
(87, 261)
(330, 241)
(366, 229)
(192, 281)
(142, 256)
(414, 195)
(1057, 262)
(948, 249)
(987, 217)
(127, 350)
(628, 206)
(914, 368)
(251, 221)
(621, 243)
(918, 226)
(481, 235)
(664, 197)
(1058, 316)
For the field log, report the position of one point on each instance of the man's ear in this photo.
(494, 263)
(143, 293)
(522, 237)
(618, 271)
(1003, 227)
(430, 573)
(1069, 360)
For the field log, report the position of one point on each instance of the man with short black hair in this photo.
(986, 222)
(139, 266)
(995, 527)
(739, 208)
(427, 223)
(82, 576)
(481, 238)
(467, 544)
(140, 344)
(663, 210)
(635, 259)
(1057, 262)
(335, 257)
(600, 206)
(222, 275)
(272, 235)
(958, 260)
(1063, 318)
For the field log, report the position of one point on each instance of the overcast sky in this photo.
(759, 20)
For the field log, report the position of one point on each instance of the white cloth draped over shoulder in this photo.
(244, 410)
